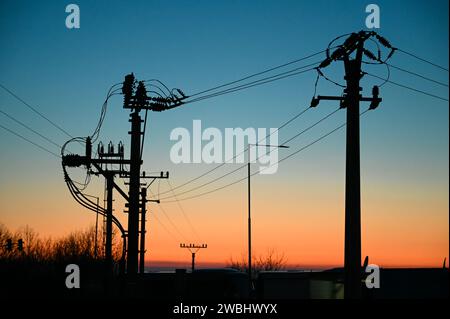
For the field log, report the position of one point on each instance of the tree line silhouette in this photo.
(39, 269)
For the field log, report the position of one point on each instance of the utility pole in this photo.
(136, 100)
(249, 226)
(133, 213)
(109, 220)
(354, 44)
(193, 248)
(96, 229)
(352, 254)
(143, 231)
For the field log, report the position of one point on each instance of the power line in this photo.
(258, 73)
(255, 83)
(217, 167)
(35, 111)
(408, 87)
(242, 166)
(417, 74)
(423, 60)
(30, 129)
(183, 212)
(310, 127)
(283, 159)
(170, 220)
(165, 228)
(29, 141)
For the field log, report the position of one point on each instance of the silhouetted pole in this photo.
(143, 231)
(133, 214)
(249, 227)
(351, 100)
(109, 220)
(249, 210)
(352, 259)
(193, 248)
(96, 230)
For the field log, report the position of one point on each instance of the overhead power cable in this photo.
(243, 166)
(258, 73)
(408, 87)
(417, 74)
(255, 83)
(29, 128)
(29, 141)
(183, 212)
(229, 160)
(423, 60)
(35, 110)
(257, 172)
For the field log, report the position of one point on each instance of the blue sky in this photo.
(195, 45)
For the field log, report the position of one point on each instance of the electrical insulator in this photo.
(370, 55)
(375, 91)
(314, 102)
(100, 149)
(120, 149)
(391, 53)
(338, 53)
(375, 99)
(127, 88)
(141, 94)
(351, 40)
(73, 160)
(325, 63)
(88, 148)
(384, 41)
(343, 103)
(181, 93)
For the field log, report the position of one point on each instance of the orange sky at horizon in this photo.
(302, 221)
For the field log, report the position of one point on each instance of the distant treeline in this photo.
(79, 245)
(39, 268)
(270, 261)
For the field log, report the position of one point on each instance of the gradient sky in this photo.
(195, 45)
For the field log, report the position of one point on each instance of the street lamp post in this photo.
(249, 210)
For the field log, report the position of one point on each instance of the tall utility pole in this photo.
(133, 213)
(352, 254)
(249, 225)
(354, 44)
(193, 248)
(109, 219)
(143, 231)
(136, 100)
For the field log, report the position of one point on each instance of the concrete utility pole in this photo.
(109, 219)
(351, 100)
(136, 100)
(143, 231)
(193, 248)
(133, 213)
